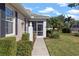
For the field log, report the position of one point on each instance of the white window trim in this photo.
(11, 34)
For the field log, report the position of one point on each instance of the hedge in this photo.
(34, 37)
(25, 36)
(24, 46)
(53, 34)
(66, 30)
(8, 46)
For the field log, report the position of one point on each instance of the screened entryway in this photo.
(37, 28)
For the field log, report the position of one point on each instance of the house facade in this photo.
(38, 24)
(75, 28)
(15, 19)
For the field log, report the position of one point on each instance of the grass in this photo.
(66, 45)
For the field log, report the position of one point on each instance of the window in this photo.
(8, 21)
(9, 12)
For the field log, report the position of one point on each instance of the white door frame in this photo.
(37, 24)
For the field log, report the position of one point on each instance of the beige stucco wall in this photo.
(20, 23)
(20, 27)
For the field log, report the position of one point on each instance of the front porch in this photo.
(39, 28)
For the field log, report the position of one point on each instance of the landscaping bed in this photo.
(24, 46)
(9, 46)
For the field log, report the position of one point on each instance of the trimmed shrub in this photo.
(8, 46)
(66, 30)
(49, 33)
(24, 46)
(34, 37)
(55, 35)
(25, 36)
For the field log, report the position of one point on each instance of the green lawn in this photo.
(67, 45)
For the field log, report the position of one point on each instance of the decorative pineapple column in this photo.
(30, 32)
(44, 29)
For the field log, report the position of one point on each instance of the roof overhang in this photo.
(21, 9)
(37, 16)
(26, 12)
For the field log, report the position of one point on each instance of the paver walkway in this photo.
(39, 48)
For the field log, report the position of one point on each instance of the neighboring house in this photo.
(14, 21)
(75, 28)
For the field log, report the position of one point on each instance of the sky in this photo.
(52, 9)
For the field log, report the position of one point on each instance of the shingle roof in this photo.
(20, 8)
(33, 15)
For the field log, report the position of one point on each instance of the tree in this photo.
(76, 5)
(69, 22)
(73, 5)
(77, 21)
(60, 22)
(57, 22)
(49, 23)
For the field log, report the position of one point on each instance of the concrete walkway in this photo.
(39, 48)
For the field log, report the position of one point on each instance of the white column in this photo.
(30, 32)
(14, 26)
(44, 29)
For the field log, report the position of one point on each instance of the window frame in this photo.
(11, 21)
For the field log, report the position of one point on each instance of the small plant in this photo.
(76, 34)
(55, 35)
(49, 32)
(34, 37)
